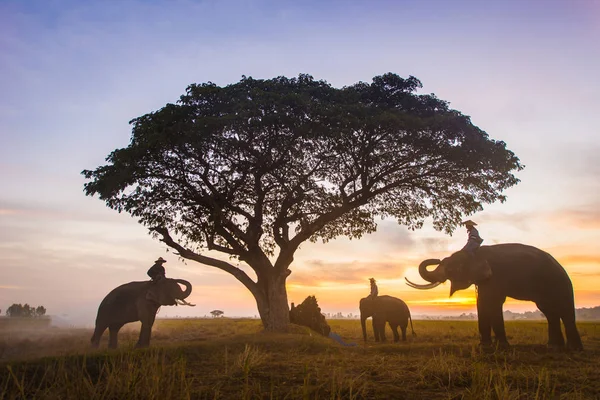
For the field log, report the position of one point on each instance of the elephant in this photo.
(385, 309)
(509, 270)
(137, 301)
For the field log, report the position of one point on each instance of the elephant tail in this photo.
(411, 325)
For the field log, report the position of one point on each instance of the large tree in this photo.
(256, 168)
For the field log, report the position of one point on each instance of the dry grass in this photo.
(224, 358)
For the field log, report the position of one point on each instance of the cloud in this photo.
(30, 211)
(584, 217)
(9, 211)
(393, 234)
(579, 259)
(36, 210)
(319, 272)
(390, 242)
(519, 220)
(585, 274)
(436, 247)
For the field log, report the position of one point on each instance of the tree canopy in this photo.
(255, 168)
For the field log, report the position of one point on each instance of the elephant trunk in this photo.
(363, 321)
(188, 289)
(435, 276)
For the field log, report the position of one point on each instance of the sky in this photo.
(73, 73)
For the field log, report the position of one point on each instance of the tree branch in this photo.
(213, 262)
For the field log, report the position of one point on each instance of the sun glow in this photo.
(328, 286)
(466, 301)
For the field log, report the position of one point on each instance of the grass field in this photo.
(233, 359)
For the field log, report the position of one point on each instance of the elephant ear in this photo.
(464, 271)
(158, 292)
(481, 270)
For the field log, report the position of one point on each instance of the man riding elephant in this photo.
(474, 240)
(374, 289)
(157, 271)
(478, 266)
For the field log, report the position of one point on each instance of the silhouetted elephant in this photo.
(137, 301)
(514, 270)
(385, 309)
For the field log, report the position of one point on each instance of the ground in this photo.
(232, 359)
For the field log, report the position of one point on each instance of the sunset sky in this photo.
(73, 73)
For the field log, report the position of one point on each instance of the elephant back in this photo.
(126, 292)
(394, 305)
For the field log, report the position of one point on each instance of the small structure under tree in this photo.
(308, 313)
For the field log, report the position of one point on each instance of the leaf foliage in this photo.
(261, 165)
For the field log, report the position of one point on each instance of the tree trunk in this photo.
(272, 303)
(270, 292)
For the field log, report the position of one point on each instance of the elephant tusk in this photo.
(417, 286)
(185, 303)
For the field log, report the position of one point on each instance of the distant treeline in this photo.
(582, 314)
(26, 311)
(588, 313)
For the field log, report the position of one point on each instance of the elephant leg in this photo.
(403, 328)
(555, 336)
(382, 333)
(573, 338)
(376, 329)
(145, 332)
(113, 331)
(484, 321)
(395, 332)
(98, 332)
(497, 320)
(379, 327)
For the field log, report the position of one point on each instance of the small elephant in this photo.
(385, 309)
(137, 301)
(510, 270)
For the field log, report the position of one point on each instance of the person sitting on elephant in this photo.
(474, 240)
(157, 271)
(374, 289)
(478, 267)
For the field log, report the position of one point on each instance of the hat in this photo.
(160, 260)
(372, 279)
(468, 222)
